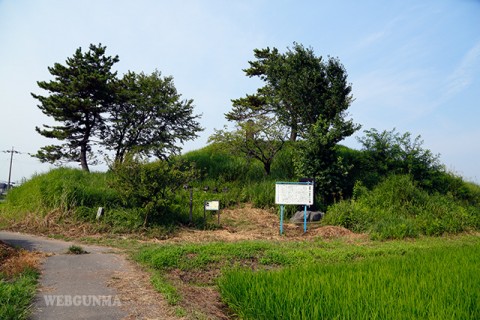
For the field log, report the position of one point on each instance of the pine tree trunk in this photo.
(83, 158)
(293, 135)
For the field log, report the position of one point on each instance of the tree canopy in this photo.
(260, 139)
(139, 112)
(149, 117)
(300, 88)
(78, 96)
(310, 97)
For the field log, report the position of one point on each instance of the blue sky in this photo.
(413, 65)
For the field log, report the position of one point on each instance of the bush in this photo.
(390, 152)
(150, 186)
(398, 208)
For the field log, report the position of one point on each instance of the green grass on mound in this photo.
(63, 189)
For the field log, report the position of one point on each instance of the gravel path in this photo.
(80, 286)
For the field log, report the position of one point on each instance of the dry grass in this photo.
(248, 223)
(14, 262)
(237, 224)
(55, 222)
(139, 298)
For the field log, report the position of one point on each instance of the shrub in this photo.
(398, 208)
(150, 186)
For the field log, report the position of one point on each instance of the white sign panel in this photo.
(298, 193)
(212, 205)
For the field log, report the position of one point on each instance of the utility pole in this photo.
(11, 162)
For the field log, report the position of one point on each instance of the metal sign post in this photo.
(282, 208)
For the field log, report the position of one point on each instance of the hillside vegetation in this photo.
(254, 273)
(155, 197)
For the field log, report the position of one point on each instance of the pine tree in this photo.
(78, 96)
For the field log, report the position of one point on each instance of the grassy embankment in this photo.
(64, 199)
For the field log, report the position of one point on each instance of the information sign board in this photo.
(212, 205)
(294, 193)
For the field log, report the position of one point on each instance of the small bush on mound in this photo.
(397, 208)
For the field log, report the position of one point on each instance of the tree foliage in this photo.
(140, 113)
(310, 97)
(260, 139)
(300, 89)
(149, 117)
(78, 96)
(318, 158)
(390, 152)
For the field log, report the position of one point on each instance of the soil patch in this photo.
(138, 296)
(200, 297)
(248, 223)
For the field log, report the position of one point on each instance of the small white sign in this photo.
(212, 205)
(297, 193)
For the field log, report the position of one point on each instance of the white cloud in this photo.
(464, 73)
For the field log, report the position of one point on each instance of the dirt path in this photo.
(102, 284)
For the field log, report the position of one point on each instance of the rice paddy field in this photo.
(432, 283)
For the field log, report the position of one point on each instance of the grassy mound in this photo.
(63, 189)
(398, 207)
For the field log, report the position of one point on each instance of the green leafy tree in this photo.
(309, 96)
(390, 152)
(260, 138)
(318, 158)
(300, 88)
(79, 95)
(149, 117)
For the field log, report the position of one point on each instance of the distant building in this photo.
(3, 188)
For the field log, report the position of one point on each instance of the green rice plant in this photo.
(439, 283)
